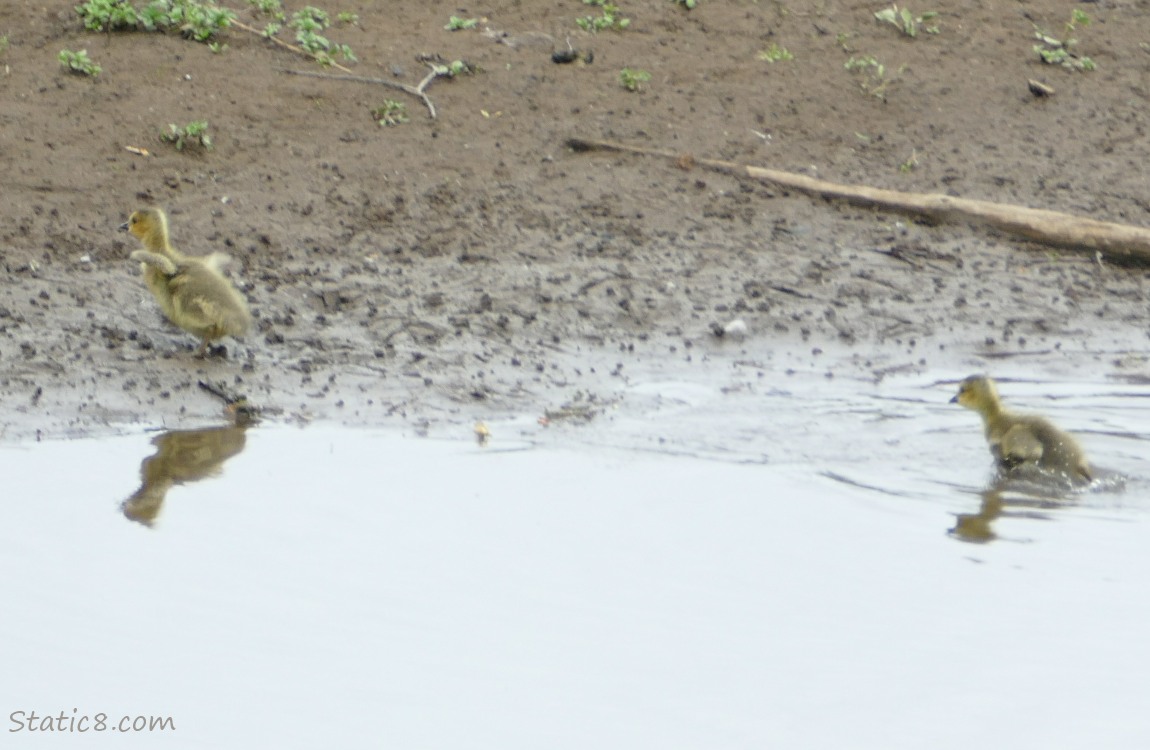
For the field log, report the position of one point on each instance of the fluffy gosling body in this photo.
(1021, 439)
(192, 291)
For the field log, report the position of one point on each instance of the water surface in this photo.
(764, 566)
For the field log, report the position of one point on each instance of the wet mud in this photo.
(472, 267)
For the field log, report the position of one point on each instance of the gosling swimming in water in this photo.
(191, 291)
(1021, 439)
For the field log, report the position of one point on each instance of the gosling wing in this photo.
(1019, 445)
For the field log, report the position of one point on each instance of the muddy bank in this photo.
(470, 266)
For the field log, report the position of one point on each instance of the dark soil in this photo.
(473, 265)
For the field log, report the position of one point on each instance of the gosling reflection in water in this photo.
(181, 456)
(1008, 498)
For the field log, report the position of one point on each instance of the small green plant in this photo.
(390, 114)
(875, 81)
(908, 23)
(865, 63)
(274, 8)
(910, 164)
(609, 20)
(1077, 18)
(1055, 51)
(200, 21)
(78, 62)
(310, 18)
(347, 17)
(113, 15)
(194, 134)
(217, 47)
(455, 23)
(455, 68)
(203, 20)
(268, 7)
(632, 78)
(3, 44)
(194, 19)
(688, 4)
(451, 69)
(775, 53)
(308, 22)
(155, 15)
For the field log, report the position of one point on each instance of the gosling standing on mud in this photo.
(1020, 439)
(191, 291)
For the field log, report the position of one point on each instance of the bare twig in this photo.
(413, 90)
(588, 286)
(437, 71)
(220, 391)
(242, 412)
(789, 290)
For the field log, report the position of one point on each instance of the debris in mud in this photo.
(482, 434)
(440, 68)
(570, 55)
(584, 407)
(357, 252)
(735, 330)
(1122, 242)
(236, 405)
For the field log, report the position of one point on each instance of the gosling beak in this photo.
(124, 227)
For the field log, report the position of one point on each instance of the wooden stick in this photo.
(1119, 241)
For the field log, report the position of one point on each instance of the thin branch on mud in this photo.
(588, 286)
(1119, 241)
(236, 405)
(437, 71)
(1012, 355)
(410, 323)
(220, 391)
(287, 45)
(863, 276)
(790, 291)
(916, 265)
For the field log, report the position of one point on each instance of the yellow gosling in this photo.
(1021, 439)
(191, 291)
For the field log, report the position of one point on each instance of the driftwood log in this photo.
(1120, 242)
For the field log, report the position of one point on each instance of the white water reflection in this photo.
(328, 587)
